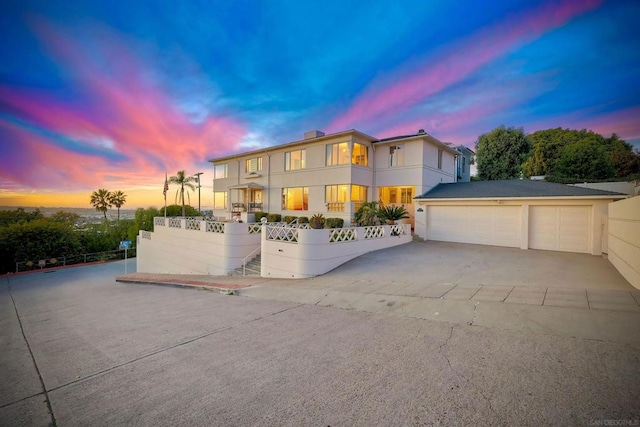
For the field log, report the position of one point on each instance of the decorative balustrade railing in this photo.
(215, 227)
(145, 234)
(255, 228)
(193, 224)
(343, 235)
(374, 232)
(398, 230)
(175, 223)
(282, 233)
(159, 221)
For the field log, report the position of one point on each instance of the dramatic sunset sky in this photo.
(113, 94)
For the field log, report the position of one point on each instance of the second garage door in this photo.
(484, 225)
(560, 228)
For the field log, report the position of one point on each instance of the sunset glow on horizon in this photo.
(102, 95)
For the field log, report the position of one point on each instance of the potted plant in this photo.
(392, 213)
(317, 221)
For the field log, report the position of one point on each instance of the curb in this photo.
(212, 287)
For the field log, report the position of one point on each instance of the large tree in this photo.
(117, 199)
(501, 152)
(183, 181)
(558, 153)
(101, 200)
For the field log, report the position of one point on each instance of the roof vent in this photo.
(313, 134)
(421, 132)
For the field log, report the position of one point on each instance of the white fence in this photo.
(289, 252)
(203, 246)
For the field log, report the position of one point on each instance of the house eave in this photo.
(506, 198)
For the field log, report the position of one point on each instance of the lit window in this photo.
(336, 193)
(220, 171)
(360, 155)
(338, 154)
(440, 158)
(294, 160)
(396, 155)
(295, 199)
(253, 165)
(406, 196)
(358, 193)
(219, 200)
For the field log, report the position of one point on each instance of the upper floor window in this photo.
(338, 154)
(253, 165)
(294, 160)
(360, 155)
(295, 199)
(396, 155)
(220, 171)
(439, 158)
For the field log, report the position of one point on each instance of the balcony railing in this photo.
(242, 207)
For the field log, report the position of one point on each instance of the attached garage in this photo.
(516, 213)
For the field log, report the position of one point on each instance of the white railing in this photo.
(193, 224)
(398, 230)
(255, 228)
(374, 232)
(159, 221)
(254, 253)
(145, 234)
(175, 223)
(343, 235)
(215, 227)
(282, 233)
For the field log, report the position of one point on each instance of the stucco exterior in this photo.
(624, 238)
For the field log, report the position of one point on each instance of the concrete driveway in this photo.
(79, 348)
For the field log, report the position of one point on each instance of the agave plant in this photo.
(392, 213)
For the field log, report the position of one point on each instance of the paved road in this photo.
(110, 353)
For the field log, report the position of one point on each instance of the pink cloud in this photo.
(123, 110)
(457, 61)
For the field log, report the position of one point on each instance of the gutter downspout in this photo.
(268, 181)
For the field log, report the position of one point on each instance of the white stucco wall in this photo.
(624, 238)
(313, 254)
(181, 251)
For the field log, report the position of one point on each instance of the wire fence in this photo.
(41, 264)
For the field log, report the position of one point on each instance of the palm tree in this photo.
(183, 181)
(101, 200)
(117, 199)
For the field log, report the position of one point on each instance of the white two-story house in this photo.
(331, 174)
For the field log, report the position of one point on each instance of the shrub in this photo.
(303, 220)
(274, 217)
(289, 219)
(367, 214)
(334, 223)
(260, 215)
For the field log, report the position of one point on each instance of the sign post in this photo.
(125, 244)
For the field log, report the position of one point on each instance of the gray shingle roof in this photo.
(510, 188)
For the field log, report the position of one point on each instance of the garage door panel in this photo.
(487, 225)
(560, 228)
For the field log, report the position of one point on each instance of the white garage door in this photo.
(483, 225)
(560, 228)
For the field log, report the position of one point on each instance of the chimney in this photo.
(313, 134)
(421, 132)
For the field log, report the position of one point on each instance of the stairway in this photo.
(253, 267)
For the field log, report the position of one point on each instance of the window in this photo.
(360, 155)
(439, 158)
(219, 200)
(338, 154)
(220, 171)
(358, 193)
(295, 199)
(396, 155)
(336, 193)
(464, 164)
(253, 165)
(406, 196)
(294, 160)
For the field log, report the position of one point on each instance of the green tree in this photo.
(118, 199)
(501, 152)
(63, 217)
(101, 200)
(18, 215)
(585, 160)
(176, 210)
(183, 181)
